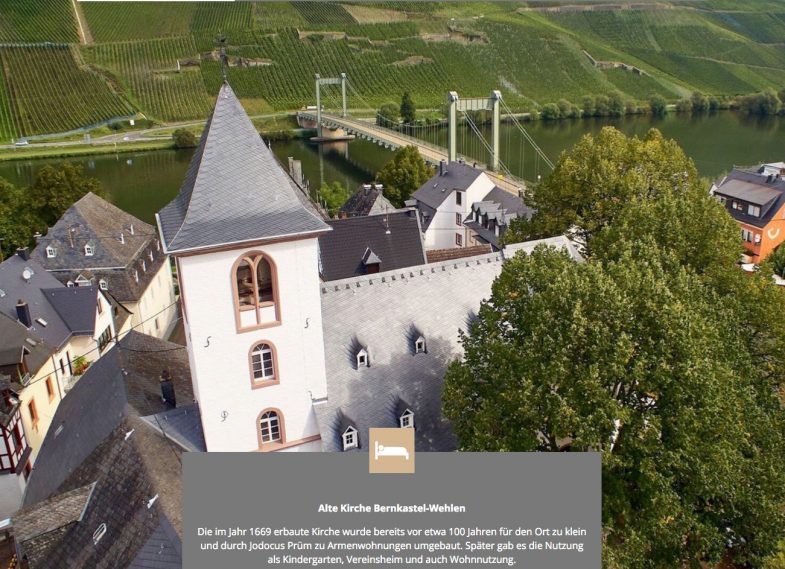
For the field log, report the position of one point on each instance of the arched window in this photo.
(271, 428)
(264, 369)
(255, 291)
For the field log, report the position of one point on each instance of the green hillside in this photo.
(161, 59)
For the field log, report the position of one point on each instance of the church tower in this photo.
(245, 241)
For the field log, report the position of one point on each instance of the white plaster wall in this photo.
(46, 407)
(219, 354)
(11, 491)
(102, 321)
(441, 232)
(157, 302)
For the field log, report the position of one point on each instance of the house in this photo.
(14, 450)
(369, 244)
(96, 243)
(106, 490)
(756, 200)
(367, 200)
(62, 324)
(283, 360)
(461, 207)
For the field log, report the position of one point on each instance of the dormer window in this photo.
(150, 255)
(157, 245)
(458, 198)
(406, 420)
(144, 265)
(136, 275)
(70, 284)
(131, 229)
(419, 345)
(362, 359)
(753, 210)
(88, 250)
(255, 292)
(350, 438)
(103, 285)
(51, 252)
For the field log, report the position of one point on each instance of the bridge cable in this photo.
(502, 165)
(527, 136)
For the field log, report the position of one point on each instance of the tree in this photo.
(18, 222)
(615, 104)
(776, 262)
(700, 102)
(387, 115)
(641, 363)
(764, 103)
(408, 110)
(402, 175)
(591, 185)
(55, 190)
(658, 105)
(334, 196)
(602, 106)
(588, 106)
(184, 138)
(550, 111)
(684, 106)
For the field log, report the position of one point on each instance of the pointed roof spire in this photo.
(234, 191)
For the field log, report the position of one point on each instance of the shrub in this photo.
(658, 105)
(550, 111)
(184, 138)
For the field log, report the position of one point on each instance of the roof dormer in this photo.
(363, 360)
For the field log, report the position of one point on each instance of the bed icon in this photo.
(391, 451)
(382, 451)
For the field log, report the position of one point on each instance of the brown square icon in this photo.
(391, 451)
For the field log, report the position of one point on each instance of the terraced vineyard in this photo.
(149, 71)
(37, 21)
(161, 58)
(50, 92)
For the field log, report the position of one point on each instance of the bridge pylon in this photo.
(328, 81)
(491, 103)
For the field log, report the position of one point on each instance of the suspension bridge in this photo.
(338, 124)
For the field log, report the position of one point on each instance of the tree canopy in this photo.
(656, 351)
(408, 110)
(402, 175)
(25, 211)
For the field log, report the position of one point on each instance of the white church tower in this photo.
(245, 241)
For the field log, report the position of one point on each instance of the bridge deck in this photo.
(430, 152)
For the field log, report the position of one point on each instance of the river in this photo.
(141, 183)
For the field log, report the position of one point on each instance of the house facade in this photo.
(95, 243)
(756, 200)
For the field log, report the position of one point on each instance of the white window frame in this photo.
(144, 266)
(350, 438)
(103, 285)
(267, 421)
(150, 255)
(51, 252)
(753, 210)
(362, 359)
(258, 355)
(136, 275)
(406, 420)
(89, 251)
(419, 345)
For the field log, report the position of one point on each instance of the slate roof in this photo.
(234, 191)
(500, 207)
(438, 255)
(441, 299)
(459, 176)
(753, 188)
(346, 250)
(362, 202)
(14, 287)
(14, 339)
(75, 305)
(94, 221)
(183, 425)
(52, 514)
(101, 433)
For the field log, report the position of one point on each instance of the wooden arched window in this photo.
(264, 365)
(255, 290)
(270, 429)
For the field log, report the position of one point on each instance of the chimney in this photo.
(23, 253)
(769, 178)
(23, 313)
(167, 389)
(442, 168)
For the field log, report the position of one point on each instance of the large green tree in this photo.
(599, 176)
(402, 175)
(408, 110)
(57, 189)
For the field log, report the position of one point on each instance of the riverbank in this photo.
(33, 151)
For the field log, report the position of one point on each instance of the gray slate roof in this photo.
(441, 299)
(753, 188)
(366, 201)
(75, 305)
(183, 425)
(344, 251)
(500, 207)
(235, 190)
(101, 432)
(94, 221)
(14, 287)
(458, 177)
(52, 514)
(14, 338)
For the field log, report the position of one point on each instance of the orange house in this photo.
(756, 200)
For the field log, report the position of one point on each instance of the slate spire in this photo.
(235, 191)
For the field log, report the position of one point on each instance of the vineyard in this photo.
(50, 92)
(37, 21)
(162, 59)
